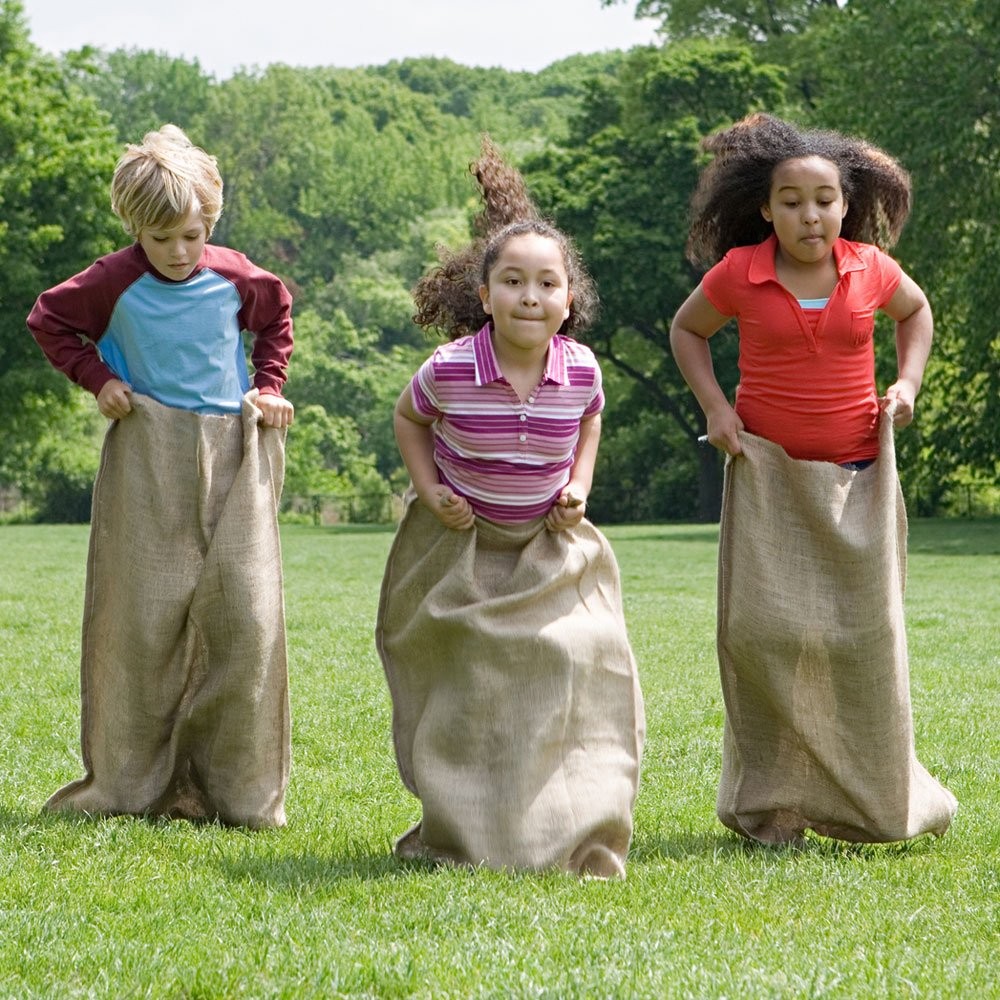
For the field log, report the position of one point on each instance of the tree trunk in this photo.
(709, 483)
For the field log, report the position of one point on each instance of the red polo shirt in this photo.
(807, 379)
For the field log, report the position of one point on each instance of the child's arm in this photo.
(696, 321)
(69, 319)
(416, 445)
(914, 332)
(267, 311)
(571, 504)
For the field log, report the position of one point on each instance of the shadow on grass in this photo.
(721, 845)
(310, 871)
(629, 534)
(955, 536)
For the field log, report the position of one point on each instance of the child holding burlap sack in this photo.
(517, 714)
(184, 682)
(811, 639)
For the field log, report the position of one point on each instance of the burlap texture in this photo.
(517, 714)
(184, 681)
(812, 652)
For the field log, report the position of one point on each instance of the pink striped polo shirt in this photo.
(509, 458)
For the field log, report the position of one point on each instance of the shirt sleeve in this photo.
(424, 392)
(891, 274)
(596, 404)
(717, 286)
(68, 320)
(267, 314)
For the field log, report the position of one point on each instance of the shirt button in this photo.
(531, 399)
(522, 418)
(522, 437)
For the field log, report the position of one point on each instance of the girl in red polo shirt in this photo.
(517, 716)
(818, 724)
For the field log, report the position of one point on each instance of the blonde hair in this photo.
(157, 183)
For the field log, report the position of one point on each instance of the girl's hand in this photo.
(276, 410)
(902, 395)
(566, 512)
(724, 426)
(113, 401)
(449, 508)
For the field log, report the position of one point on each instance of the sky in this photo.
(226, 35)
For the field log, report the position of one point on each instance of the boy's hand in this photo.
(451, 510)
(566, 512)
(113, 401)
(277, 411)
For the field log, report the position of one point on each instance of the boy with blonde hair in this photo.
(183, 668)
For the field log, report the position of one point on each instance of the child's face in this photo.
(175, 252)
(528, 293)
(806, 207)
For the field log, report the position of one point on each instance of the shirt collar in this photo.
(845, 256)
(488, 368)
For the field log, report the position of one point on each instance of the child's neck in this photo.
(523, 370)
(814, 280)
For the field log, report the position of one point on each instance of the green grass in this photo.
(129, 908)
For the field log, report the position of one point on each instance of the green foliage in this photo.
(53, 456)
(751, 20)
(343, 182)
(127, 908)
(57, 154)
(320, 164)
(901, 90)
(342, 443)
(143, 90)
(519, 109)
(621, 187)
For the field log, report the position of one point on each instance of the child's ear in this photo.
(569, 302)
(484, 297)
(765, 210)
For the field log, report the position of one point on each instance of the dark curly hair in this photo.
(725, 207)
(447, 297)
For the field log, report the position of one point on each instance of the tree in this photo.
(319, 164)
(750, 20)
(57, 151)
(621, 187)
(142, 90)
(902, 91)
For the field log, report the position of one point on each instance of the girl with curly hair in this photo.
(812, 549)
(517, 715)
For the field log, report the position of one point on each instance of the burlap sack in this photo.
(184, 681)
(517, 714)
(812, 652)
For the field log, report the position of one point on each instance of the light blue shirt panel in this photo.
(180, 343)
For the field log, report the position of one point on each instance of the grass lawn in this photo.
(131, 908)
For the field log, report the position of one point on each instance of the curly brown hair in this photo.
(447, 297)
(725, 207)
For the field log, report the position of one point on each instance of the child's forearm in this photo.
(581, 476)
(913, 346)
(694, 359)
(416, 446)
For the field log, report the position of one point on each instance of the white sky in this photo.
(225, 35)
